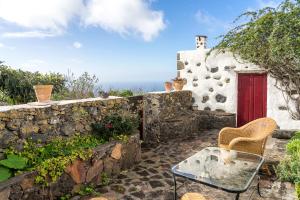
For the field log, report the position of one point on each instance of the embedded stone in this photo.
(221, 98)
(207, 77)
(195, 78)
(214, 69)
(186, 62)
(211, 89)
(68, 129)
(29, 129)
(13, 125)
(227, 68)
(180, 65)
(217, 77)
(198, 64)
(193, 100)
(207, 109)
(2, 126)
(178, 56)
(178, 73)
(95, 170)
(282, 108)
(117, 152)
(77, 171)
(227, 80)
(6, 138)
(189, 71)
(195, 84)
(220, 110)
(27, 183)
(205, 99)
(4, 194)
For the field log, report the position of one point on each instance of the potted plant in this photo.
(168, 86)
(178, 83)
(43, 93)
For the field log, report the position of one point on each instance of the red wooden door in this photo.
(252, 97)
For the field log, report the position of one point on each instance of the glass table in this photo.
(231, 171)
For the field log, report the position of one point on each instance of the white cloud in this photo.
(125, 17)
(1, 45)
(44, 18)
(212, 23)
(30, 34)
(77, 45)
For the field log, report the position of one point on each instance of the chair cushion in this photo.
(192, 196)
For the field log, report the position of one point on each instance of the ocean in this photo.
(134, 86)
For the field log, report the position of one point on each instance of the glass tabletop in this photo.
(232, 170)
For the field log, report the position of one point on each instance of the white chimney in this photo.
(201, 41)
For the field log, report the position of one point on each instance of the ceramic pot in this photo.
(168, 86)
(43, 92)
(178, 85)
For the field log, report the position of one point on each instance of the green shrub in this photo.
(120, 93)
(297, 187)
(10, 165)
(115, 124)
(18, 84)
(289, 168)
(5, 99)
(50, 160)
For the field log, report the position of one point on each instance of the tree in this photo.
(270, 38)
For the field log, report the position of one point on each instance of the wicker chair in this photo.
(192, 196)
(251, 137)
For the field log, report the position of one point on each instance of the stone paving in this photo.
(151, 179)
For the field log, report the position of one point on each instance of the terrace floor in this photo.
(151, 179)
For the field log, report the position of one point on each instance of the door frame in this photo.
(251, 72)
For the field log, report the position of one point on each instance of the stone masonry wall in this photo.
(63, 118)
(109, 158)
(170, 115)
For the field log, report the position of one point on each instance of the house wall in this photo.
(213, 81)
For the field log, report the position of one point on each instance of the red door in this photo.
(252, 97)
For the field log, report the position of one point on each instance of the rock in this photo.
(4, 194)
(99, 198)
(220, 84)
(27, 183)
(95, 170)
(189, 71)
(178, 56)
(214, 69)
(195, 84)
(207, 109)
(180, 65)
(77, 171)
(205, 99)
(195, 78)
(28, 129)
(6, 138)
(198, 64)
(207, 77)
(220, 110)
(282, 108)
(217, 77)
(186, 62)
(2, 126)
(68, 129)
(117, 152)
(221, 98)
(13, 124)
(284, 134)
(227, 80)
(211, 89)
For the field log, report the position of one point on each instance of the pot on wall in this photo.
(168, 86)
(43, 92)
(178, 83)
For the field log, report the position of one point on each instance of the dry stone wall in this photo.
(108, 159)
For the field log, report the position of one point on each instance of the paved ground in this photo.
(152, 179)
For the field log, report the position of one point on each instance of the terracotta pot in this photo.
(168, 86)
(178, 85)
(43, 92)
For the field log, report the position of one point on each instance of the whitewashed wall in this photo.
(213, 81)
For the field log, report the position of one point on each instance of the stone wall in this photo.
(63, 118)
(170, 115)
(108, 158)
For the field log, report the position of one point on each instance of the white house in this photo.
(221, 83)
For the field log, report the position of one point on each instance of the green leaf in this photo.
(5, 173)
(14, 162)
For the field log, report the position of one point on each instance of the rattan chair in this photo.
(192, 196)
(251, 137)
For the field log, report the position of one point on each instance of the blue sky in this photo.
(118, 40)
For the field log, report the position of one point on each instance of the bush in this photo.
(5, 99)
(18, 84)
(289, 168)
(84, 86)
(120, 93)
(115, 124)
